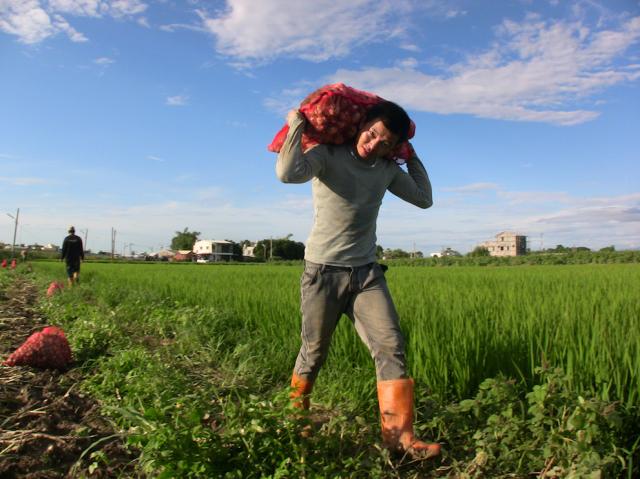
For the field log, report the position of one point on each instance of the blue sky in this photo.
(152, 116)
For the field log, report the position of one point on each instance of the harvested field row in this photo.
(49, 428)
(520, 372)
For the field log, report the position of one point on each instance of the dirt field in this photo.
(48, 427)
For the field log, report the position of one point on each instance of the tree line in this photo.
(278, 249)
(265, 249)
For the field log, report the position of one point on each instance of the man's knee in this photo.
(390, 365)
(315, 351)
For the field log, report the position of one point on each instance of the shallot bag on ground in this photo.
(48, 348)
(335, 113)
(54, 288)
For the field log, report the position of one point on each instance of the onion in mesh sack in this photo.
(335, 113)
(48, 348)
(54, 288)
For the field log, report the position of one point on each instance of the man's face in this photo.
(375, 140)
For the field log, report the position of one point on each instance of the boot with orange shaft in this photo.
(300, 390)
(396, 416)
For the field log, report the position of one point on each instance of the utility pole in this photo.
(86, 233)
(271, 250)
(113, 243)
(15, 230)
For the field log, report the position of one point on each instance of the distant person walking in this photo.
(72, 254)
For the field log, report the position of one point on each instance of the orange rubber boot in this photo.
(396, 416)
(300, 390)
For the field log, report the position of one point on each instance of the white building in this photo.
(210, 251)
(249, 250)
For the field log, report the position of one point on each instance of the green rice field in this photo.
(540, 345)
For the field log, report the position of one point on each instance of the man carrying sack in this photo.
(341, 275)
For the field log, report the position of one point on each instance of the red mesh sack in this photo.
(48, 348)
(54, 288)
(335, 113)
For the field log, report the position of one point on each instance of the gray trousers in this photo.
(362, 294)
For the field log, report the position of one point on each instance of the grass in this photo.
(543, 357)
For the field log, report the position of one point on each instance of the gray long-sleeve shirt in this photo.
(347, 194)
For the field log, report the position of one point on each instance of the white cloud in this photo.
(25, 19)
(410, 47)
(407, 63)
(23, 181)
(472, 188)
(289, 98)
(97, 8)
(32, 21)
(615, 201)
(173, 27)
(594, 222)
(452, 13)
(104, 61)
(539, 197)
(461, 219)
(441, 10)
(298, 205)
(89, 8)
(177, 100)
(62, 25)
(536, 71)
(143, 22)
(124, 8)
(153, 224)
(603, 215)
(314, 31)
(155, 158)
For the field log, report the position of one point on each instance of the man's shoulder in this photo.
(321, 149)
(334, 154)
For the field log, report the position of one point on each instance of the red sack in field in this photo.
(4, 263)
(13, 264)
(335, 113)
(48, 348)
(54, 288)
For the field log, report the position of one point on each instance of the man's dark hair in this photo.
(393, 117)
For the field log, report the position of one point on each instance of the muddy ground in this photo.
(48, 427)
